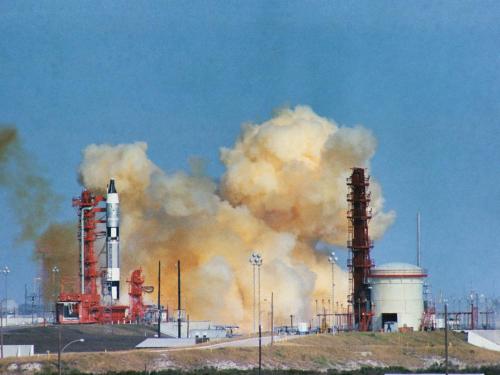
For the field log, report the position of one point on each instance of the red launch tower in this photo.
(359, 244)
(86, 306)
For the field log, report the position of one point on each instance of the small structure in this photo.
(195, 329)
(397, 296)
(18, 350)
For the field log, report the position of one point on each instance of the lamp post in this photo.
(55, 272)
(256, 261)
(481, 320)
(6, 272)
(332, 259)
(472, 310)
(446, 336)
(55, 279)
(60, 351)
(36, 294)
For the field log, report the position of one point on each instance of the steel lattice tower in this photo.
(359, 244)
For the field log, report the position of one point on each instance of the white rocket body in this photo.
(113, 241)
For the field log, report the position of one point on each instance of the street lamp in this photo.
(332, 259)
(472, 315)
(446, 336)
(60, 351)
(256, 261)
(6, 272)
(55, 271)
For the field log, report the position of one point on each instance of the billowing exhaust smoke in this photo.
(28, 192)
(284, 190)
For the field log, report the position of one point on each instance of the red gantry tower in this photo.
(359, 244)
(86, 306)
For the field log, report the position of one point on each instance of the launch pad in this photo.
(91, 305)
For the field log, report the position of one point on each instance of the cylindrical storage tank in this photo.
(397, 296)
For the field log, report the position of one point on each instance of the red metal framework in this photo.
(137, 308)
(85, 306)
(359, 244)
(87, 206)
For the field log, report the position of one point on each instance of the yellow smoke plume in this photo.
(284, 190)
(28, 192)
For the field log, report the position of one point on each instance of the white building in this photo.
(194, 329)
(18, 350)
(397, 296)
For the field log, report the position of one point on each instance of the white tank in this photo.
(397, 296)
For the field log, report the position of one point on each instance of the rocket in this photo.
(113, 241)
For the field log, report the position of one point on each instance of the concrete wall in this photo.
(485, 339)
(18, 350)
(20, 320)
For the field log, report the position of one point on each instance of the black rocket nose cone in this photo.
(111, 186)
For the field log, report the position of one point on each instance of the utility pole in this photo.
(1, 332)
(256, 261)
(258, 271)
(25, 298)
(254, 299)
(272, 318)
(178, 299)
(159, 301)
(33, 309)
(59, 370)
(60, 349)
(260, 348)
(332, 259)
(446, 337)
(6, 272)
(418, 240)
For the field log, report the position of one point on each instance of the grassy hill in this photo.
(345, 351)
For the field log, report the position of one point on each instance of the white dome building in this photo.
(397, 296)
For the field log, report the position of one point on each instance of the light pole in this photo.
(480, 320)
(60, 351)
(5, 272)
(55, 272)
(472, 310)
(272, 318)
(256, 261)
(446, 337)
(332, 259)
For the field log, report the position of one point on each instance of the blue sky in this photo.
(184, 76)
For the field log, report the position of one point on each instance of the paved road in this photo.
(172, 344)
(249, 342)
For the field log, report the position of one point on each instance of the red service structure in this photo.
(359, 243)
(92, 304)
(135, 293)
